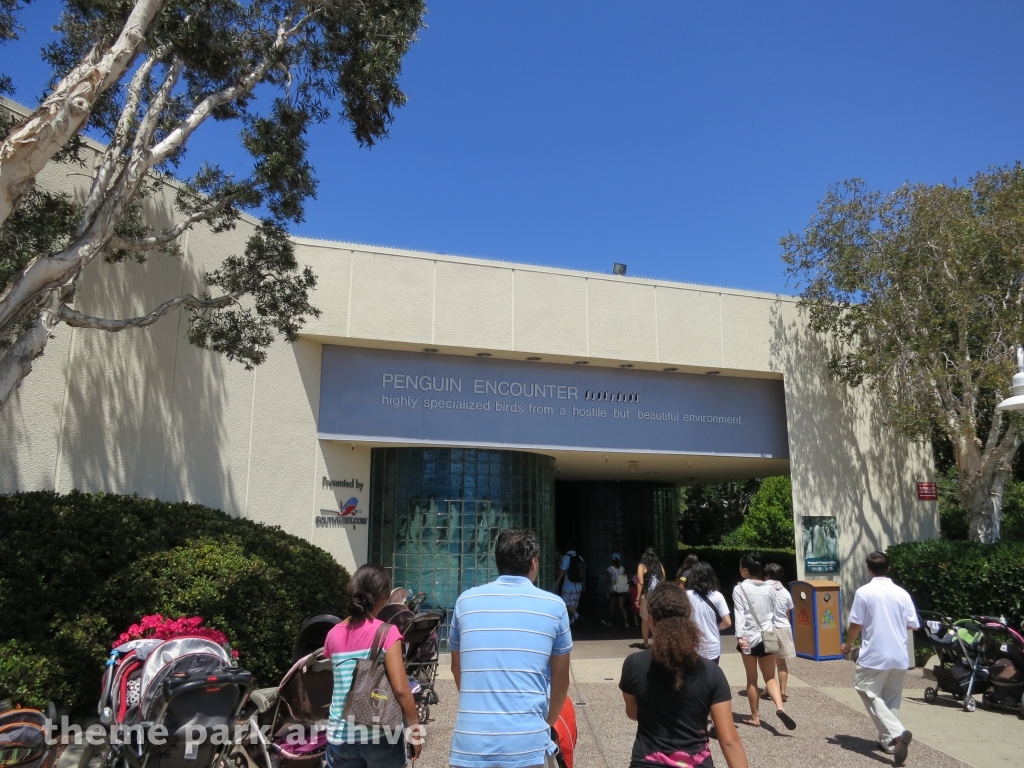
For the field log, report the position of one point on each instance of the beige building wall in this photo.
(145, 412)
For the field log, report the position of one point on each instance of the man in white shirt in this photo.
(883, 612)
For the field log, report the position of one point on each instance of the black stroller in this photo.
(420, 647)
(286, 726)
(1004, 651)
(170, 703)
(959, 645)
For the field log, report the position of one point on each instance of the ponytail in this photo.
(369, 585)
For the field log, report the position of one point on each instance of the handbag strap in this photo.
(378, 642)
(750, 605)
(712, 605)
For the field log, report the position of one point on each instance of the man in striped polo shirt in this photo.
(510, 647)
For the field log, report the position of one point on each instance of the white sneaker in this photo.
(886, 746)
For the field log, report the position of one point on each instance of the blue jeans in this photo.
(381, 755)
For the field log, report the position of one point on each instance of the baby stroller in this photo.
(420, 646)
(23, 738)
(287, 725)
(187, 686)
(1004, 651)
(961, 670)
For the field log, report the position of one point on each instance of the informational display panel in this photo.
(821, 544)
(412, 398)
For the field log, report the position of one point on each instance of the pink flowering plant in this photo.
(156, 626)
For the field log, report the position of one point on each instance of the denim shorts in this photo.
(381, 755)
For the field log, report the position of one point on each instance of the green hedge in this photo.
(726, 562)
(961, 578)
(76, 570)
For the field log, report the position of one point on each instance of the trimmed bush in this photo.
(726, 562)
(769, 522)
(960, 578)
(76, 570)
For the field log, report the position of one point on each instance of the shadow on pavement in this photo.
(861, 746)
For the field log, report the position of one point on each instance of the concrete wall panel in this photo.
(689, 327)
(551, 313)
(623, 323)
(473, 306)
(747, 332)
(332, 267)
(392, 298)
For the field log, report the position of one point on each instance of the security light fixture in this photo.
(618, 269)
(429, 349)
(582, 362)
(626, 365)
(483, 354)
(712, 373)
(670, 369)
(1015, 402)
(534, 359)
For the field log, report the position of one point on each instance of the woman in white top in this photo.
(775, 575)
(710, 611)
(618, 590)
(753, 601)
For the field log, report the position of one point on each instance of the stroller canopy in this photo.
(312, 635)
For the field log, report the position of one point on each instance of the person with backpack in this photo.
(649, 573)
(710, 611)
(572, 573)
(618, 588)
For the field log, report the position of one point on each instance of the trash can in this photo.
(817, 613)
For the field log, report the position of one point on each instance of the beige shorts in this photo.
(643, 608)
(787, 648)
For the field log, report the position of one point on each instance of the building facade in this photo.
(440, 398)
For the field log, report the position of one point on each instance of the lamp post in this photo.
(1015, 402)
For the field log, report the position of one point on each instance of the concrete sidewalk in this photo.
(833, 728)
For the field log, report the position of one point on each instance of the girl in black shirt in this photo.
(670, 690)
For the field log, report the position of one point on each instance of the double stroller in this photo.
(978, 655)
(286, 726)
(170, 703)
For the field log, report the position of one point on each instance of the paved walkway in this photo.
(833, 728)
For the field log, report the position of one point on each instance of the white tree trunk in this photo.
(982, 498)
(31, 145)
(17, 363)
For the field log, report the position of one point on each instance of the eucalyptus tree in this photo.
(145, 76)
(922, 289)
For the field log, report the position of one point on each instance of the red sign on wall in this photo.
(927, 492)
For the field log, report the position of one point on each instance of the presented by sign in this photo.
(419, 398)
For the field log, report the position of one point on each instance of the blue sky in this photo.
(682, 138)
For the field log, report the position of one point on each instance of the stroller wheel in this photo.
(970, 704)
(423, 711)
(931, 695)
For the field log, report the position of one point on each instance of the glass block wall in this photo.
(435, 514)
(625, 517)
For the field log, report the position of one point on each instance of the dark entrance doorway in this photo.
(603, 517)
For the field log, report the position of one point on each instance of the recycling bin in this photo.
(817, 617)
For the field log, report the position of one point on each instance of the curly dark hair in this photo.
(702, 579)
(678, 638)
(515, 550)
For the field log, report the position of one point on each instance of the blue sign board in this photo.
(420, 398)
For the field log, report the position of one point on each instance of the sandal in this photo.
(787, 721)
(748, 721)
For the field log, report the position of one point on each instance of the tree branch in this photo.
(173, 233)
(79, 320)
(128, 115)
(30, 146)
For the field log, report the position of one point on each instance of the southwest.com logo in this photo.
(347, 514)
(349, 507)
